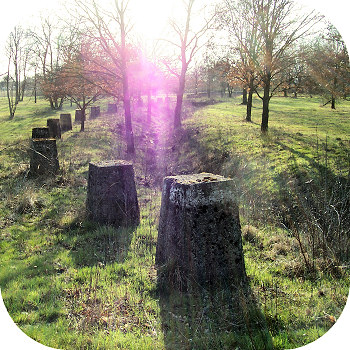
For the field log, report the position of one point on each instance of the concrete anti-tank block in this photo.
(111, 195)
(199, 234)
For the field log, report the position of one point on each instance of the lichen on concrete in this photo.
(112, 197)
(43, 157)
(199, 232)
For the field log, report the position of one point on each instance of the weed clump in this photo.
(250, 234)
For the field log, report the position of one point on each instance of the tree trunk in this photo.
(35, 90)
(249, 106)
(130, 146)
(178, 107)
(12, 106)
(230, 90)
(265, 112)
(244, 97)
(82, 122)
(333, 102)
(17, 83)
(149, 106)
(179, 100)
(23, 87)
(60, 104)
(335, 81)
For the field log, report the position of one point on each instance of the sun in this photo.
(150, 17)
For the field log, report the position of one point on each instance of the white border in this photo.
(12, 338)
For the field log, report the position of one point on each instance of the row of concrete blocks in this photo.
(199, 235)
(159, 102)
(43, 148)
(95, 111)
(64, 123)
(55, 127)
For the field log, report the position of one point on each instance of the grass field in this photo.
(72, 284)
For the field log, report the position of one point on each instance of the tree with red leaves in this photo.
(80, 80)
(328, 65)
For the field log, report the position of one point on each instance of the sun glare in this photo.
(151, 17)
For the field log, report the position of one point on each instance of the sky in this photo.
(149, 16)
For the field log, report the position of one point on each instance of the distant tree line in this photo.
(270, 47)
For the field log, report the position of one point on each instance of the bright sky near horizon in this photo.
(149, 16)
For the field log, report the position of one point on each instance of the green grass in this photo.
(71, 284)
(306, 143)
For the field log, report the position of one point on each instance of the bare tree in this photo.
(24, 67)
(188, 42)
(328, 65)
(17, 55)
(103, 26)
(240, 21)
(15, 48)
(48, 44)
(280, 25)
(10, 87)
(266, 33)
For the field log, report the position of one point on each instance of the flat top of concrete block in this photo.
(197, 178)
(111, 163)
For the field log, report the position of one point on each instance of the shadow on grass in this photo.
(91, 244)
(190, 154)
(315, 206)
(218, 320)
(29, 291)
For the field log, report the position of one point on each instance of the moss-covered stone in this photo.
(199, 235)
(112, 197)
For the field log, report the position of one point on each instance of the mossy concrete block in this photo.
(78, 116)
(43, 157)
(112, 108)
(54, 128)
(199, 235)
(40, 133)
(66, 122)
(112, 196)
(95, 111)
